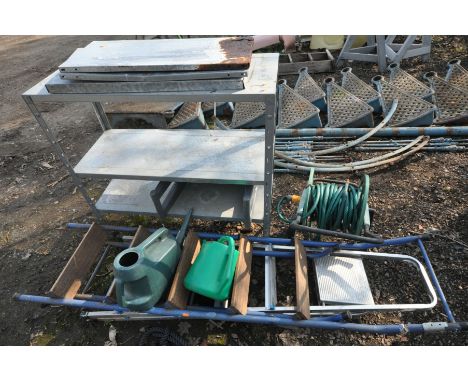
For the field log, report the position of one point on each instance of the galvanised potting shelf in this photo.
(237, 159)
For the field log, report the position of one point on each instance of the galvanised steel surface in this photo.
(451, 101)
(259, 86)
(345, 109)
(197, 54)
(56, 85)
(295, 110)
(310, 90)
(153, 76)
(407, 83)
(411, 110)
(356, 86)
(185, 155)
(457, 75)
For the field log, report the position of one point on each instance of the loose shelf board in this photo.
(260, 82)
(220, 201)
(197, 54)
(58, 85)
(154, 76)
(197, 156)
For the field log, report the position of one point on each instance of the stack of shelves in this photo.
(227, 174)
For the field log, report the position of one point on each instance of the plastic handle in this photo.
(231, 248)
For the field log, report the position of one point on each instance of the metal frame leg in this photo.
(400, 54)
(61, 154)
(270, 281)
(381, 53)
(426, 43)
(102, 116)
(270, 127)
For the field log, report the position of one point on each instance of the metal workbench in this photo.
(219, 162)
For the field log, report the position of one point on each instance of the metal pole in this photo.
(270, 126)
(250, 319)
(61, 154)
(435, 281)
(102, 116)
(384, 132)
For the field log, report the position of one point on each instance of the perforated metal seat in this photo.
(457, 75)
(411, 110)
(406, 82)
(310, 90)
(189, 116)
(451, 101)
(294, 110)
(356, 86)
(248, 115)
(345, 109)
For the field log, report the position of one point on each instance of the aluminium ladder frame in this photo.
(330, 318)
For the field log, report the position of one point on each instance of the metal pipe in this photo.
(268, 240)
(435, 281)
(96, 269)
(352, 166)
(384, 132)
(249, 319)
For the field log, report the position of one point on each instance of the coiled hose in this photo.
(332, 207)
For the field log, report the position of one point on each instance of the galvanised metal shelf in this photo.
(192, 155)
(209, 201)
(246, 162)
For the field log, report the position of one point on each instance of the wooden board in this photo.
(241, 284)
(162, 55)
(178, 295)
(302, 282)
(315, 62)
(141, 234)
(78, 266)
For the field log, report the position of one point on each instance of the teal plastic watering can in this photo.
(212, 273)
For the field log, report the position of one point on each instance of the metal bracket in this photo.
(164, 196)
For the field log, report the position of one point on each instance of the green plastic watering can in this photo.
(212, 273)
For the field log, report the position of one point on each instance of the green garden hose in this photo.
(331, 207)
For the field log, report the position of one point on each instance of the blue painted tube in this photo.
(268, 240)
(384, 132)
(435, 281)
(248, 319)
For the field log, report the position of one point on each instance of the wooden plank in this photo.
(302, 282)
(140, 235)
(240, 289)
(178, 295)
(322, 66)
(78, 266)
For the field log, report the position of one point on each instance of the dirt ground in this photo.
(427, 190)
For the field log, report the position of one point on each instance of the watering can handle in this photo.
(231, 248)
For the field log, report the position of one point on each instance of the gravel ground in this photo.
(422, 192)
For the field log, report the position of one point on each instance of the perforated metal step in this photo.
(451, 101)
(342, 280)
(407, 83)
(457, 75)
(411, 110)
(294, 110)
(345, 109)
(248, 115)
(189, 116)
(354, 85)
(310, 90)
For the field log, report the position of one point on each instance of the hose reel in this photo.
(334, 208)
